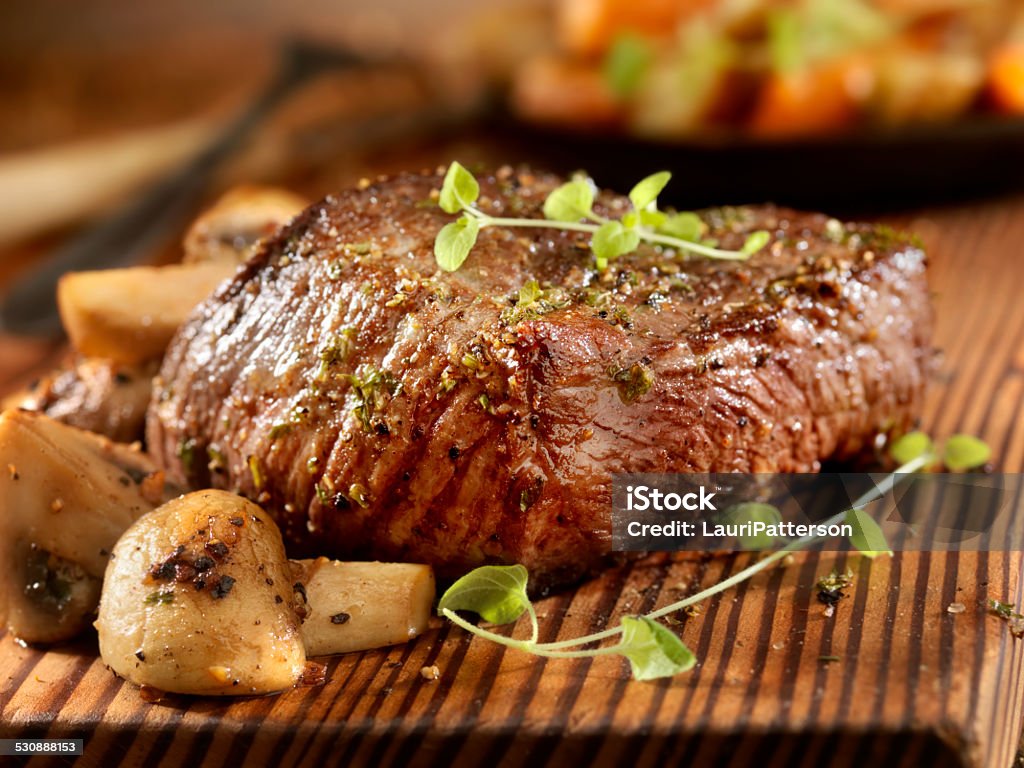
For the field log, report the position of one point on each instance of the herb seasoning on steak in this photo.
(399, 412)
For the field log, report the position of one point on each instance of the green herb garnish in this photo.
(160, 598)
(370, 388)
(217, 460)
(529, 293)
(498, 594)
(867, 536)
(335, 351)
(633, 382)
(753, 512)
(910, 446)
(187, 453)
(830, 589)
(835, 581)
(652, 649)
(359, 495)
(280, 430)
(571, 207)
(960, 453)
(1005, 611)
(256, 470)
(1002, 610)
(321, 494)
(963, 452)
(533, 302)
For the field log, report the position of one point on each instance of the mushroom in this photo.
(231, 229)
(200, 598)
(66, 495)
(356, 606)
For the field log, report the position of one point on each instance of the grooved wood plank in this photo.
(914, 684)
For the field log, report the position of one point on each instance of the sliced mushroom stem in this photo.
(357, 606)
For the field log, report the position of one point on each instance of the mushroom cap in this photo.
(198, 599)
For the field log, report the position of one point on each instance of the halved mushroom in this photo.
(198, 598)
(130, 315)
(92, 393)
(66, 495)
(232, 228)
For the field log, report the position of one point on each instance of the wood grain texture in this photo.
(914, 685)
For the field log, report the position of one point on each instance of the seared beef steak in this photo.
(381, 408)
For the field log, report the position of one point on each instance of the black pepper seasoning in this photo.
(222, 587)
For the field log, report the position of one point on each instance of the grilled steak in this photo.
(381, 408)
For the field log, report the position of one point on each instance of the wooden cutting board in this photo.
(913, 684)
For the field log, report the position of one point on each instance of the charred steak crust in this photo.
(381, 408)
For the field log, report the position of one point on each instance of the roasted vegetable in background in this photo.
(231, 228)
(774, 69)
(95, 394)
(122, 319)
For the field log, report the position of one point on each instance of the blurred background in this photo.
(101, 99)
(845, 105)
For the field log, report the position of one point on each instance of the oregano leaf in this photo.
(647, 190)
(686, 226)
(570, 202)
(459, 190)
(963, 452)
(652, 219)
(495, 592)
(750, 512)
(652, 649)
(529, 292)
(570, 207)
(612, 240)
(755, 242)
(867, 536)
(454, 242)
(911, 446)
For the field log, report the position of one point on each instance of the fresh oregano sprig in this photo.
(959, 453)
(571, 207)
(498, 593)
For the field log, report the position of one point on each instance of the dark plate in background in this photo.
(868, 172)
